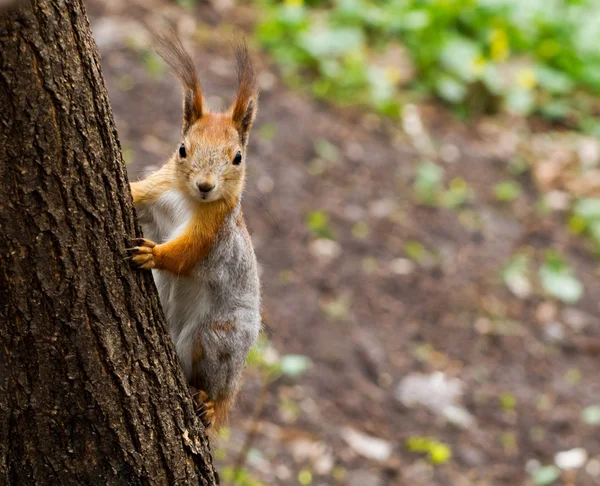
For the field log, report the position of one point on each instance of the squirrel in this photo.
(197, 244)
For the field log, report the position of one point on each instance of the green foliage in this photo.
(458, 194)
(591, 415)
(318, 223)
(271, 365)
(428, 182)
(326, 150)
(429, 188)
(558, 280)
(586, 219)
(545, 475)
(507, 191)
(416, 251)
(524, 55)
(240, 477)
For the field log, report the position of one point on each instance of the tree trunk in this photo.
(91, 391)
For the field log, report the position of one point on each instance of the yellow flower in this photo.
(499, 48)
(294, 3)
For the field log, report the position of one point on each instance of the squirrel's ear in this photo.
(246, 103)
(170, 48)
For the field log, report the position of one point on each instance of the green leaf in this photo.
(507, 191)
(458, 55)
(450, 89)
(591, 415)
(318, 223)
(321, 41)
(428, 182)
(546, 475)
(326, 150)
(415, 250)
(553, 80)
(416, 20)
(520, 101)
(588, 208)
(458, 194)
(558, 280)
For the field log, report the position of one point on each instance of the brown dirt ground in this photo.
(390, 325)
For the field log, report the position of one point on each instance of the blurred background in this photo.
(424, 200)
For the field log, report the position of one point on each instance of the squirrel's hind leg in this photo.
(206, 409)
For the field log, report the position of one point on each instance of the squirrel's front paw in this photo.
(142, 254)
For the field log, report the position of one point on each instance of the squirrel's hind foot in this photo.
(206, 409)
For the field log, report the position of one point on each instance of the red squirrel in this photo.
(196, 242)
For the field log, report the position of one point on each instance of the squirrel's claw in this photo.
(143, 242)
(142, 255)
(206, 409)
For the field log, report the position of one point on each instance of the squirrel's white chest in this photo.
(185, 301)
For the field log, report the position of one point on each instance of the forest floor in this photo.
(398, 290)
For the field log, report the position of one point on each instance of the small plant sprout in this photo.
(559, 280)
(507, 191)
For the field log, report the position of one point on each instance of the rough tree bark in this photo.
(91, 391)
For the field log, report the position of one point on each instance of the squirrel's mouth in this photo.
(210, 197)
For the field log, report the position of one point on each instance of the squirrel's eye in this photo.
(182, 152)
(237, 159)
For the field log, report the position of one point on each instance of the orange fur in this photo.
(223, 326)
(221, 412)
(149, 190)
(183, 253)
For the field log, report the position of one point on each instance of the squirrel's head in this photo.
(210, 161)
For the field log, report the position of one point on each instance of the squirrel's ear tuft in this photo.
(170, 48)
(246, 103)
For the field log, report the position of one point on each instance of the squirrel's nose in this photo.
(205, 186)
